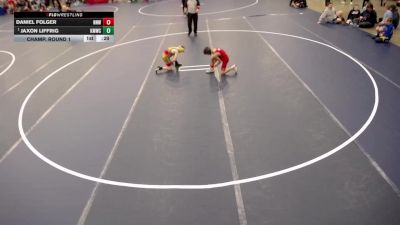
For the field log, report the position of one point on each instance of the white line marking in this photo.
(232, 160)
(381, 75)
(89, 203)
(195, 66)
(23, 54)
(197, 69)
(372, 161)
(201, 14)
(229, 144)
(15, 145)
(175, 23)
(11, 63)
(274, 14)
(222, 19)
(204, 186)
(369, 67)
(379, 169)
(34, 72)
(299, 79)
(46, 113)
(160, 24)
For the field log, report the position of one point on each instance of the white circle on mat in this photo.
(11, 63)
(180, 15)
(202, 186)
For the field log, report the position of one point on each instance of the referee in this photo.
(192, 8)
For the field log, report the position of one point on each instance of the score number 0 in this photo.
(108, 21)
(108, 25)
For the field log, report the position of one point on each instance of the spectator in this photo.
(344, 2)
(11, 5)
(339, 18)
(23, 6)
(385, 30)
(395, 17)
(364, 4)
(42, 6)
(57, 3)
(354, 15)
(368, 17)
(53, 4)
(329, 14)
(298, 4)
(388, 13)
(20, 5)
(34, 5)
(3, 8)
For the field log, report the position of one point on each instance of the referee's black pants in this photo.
(192, 18)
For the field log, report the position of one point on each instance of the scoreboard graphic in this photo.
(64, 27)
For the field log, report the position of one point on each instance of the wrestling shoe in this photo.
(159, 68)
(177, 65)
(235, 68)
(210, 71)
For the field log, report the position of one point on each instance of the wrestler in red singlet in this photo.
(218, 55)
(222, 56)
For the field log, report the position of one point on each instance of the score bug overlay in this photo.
(64, 27)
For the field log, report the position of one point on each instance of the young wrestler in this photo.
(166, 57)
(219, 56)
